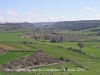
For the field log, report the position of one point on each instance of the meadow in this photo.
(85, 32)
(53, 50)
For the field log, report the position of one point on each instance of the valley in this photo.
(58, 48)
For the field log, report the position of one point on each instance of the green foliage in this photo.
(81, 45)
(61, 58)
(53, 40)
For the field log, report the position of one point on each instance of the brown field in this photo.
(7, 47)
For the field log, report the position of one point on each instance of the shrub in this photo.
(59, 46)
(70, 48)
(86, 68)
(81, 45)
(53, 40)
(61, 58)
(76, 50)
(92, 55)
(70, 73)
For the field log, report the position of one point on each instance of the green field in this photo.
(12, 37)
(9, 56)
(85, 32)
(53, 50)
(90, 47)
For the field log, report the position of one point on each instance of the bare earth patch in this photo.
(2, 50)
(24, 36)
(35, 59)
(98, 46)
(7, 47)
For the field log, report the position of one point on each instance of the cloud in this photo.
(1, 18)
(94, 10)
(50, 19)
(28, 19)
(98, 15)
(81, 16)
(10, 12)
(11, 19)
(44, 11)
(89, 8)
(34, 10)
(62, 18)
(40, 20)
(30, 15)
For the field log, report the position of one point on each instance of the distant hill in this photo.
(43, 23)
(17, 25)
(27, 25)
(75, 25)
(10, 27)
(71, 25)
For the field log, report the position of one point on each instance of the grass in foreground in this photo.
(9, 56)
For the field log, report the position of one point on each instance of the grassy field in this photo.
(90, 47)
(10, 41)
(76, 32)
(94, 69)
(15, 46)
(85, 32)
(12, 37)
(9, 56)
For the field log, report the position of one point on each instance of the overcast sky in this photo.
(48, 10)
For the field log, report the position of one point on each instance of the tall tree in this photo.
(81, 45)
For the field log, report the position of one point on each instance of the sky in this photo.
(49, 10)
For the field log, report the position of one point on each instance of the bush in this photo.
(70, 48)
(67, 60)
(27, 42)
(61, 58)
(70, 73)
(86, 68)
(53, 40)
(76, 50)
(43, 41)
(92, 55)
(77, 64)
(59, 46)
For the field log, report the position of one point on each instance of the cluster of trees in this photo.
(80, 45)
(10, 27)
(76, 50)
